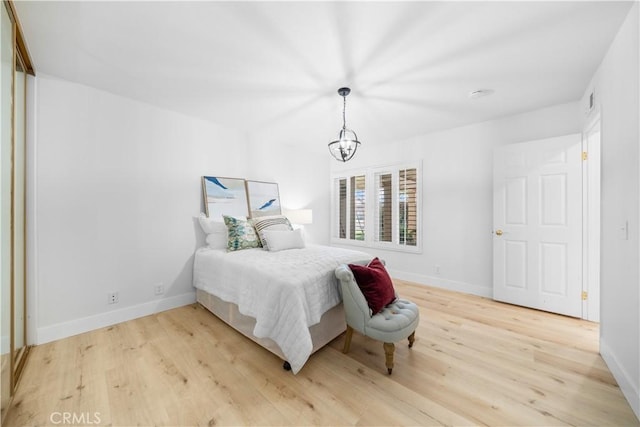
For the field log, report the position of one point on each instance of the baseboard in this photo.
(439, 282)
(90, 323)
(625, 382)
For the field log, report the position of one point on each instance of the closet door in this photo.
(18, 298)
(6, 83)
(13, 91)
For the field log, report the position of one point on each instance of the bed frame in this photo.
(331, 325)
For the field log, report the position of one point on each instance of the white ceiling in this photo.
(273, 68)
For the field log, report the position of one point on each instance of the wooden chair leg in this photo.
(389, 348)
(412, 338)
(347, 340)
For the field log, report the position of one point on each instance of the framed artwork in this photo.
(224, 196)
(264, 198)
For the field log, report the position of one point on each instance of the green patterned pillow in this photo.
(242, 235)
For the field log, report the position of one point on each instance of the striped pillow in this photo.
(271, 223)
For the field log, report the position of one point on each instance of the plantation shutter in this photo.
(407, 207)
(384, 229)
(342, 208)
(357, 213)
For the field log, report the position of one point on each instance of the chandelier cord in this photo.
(344, 116)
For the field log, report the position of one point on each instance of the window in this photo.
(392, 219)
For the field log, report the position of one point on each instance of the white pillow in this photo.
(271, 222)
(215, 230)
(280, 240)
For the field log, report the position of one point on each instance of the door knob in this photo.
(498, 232)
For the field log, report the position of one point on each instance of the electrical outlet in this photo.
(112, 298)
(158, 288)
(436, 269)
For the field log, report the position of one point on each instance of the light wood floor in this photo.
(474, 362)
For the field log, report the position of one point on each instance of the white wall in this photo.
(117, 185)
(617, 92)
(457, 189)
(302, 178)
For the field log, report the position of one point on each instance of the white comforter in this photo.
(286, 291)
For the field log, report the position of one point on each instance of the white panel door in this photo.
(537, 224)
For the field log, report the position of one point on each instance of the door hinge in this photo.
(585, 295)
(585, 155)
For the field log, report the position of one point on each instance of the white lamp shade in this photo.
(300, 216)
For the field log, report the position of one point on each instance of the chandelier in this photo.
(344, 148)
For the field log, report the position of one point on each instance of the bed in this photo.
(288, 301)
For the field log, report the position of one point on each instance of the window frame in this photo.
(372, 207)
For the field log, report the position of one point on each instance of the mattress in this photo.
(286, 292)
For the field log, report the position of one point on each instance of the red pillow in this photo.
(375, 284)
